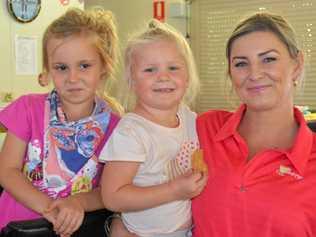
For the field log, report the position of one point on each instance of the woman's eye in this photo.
(269, 59)
(240, 64)
(60, 67)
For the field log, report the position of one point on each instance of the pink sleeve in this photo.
(114, 119)
(113, 122)
(15, 118)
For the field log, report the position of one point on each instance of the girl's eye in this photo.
(84, 65)
(240, 64)
(60, 67)
(269, 59)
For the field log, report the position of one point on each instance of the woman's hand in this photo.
(68, 213)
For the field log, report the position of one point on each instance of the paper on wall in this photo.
(25, 55)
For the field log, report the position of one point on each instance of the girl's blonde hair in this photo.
(161, 31)
(98, 24)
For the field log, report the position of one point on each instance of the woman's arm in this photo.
(14, 181)
(119, 194)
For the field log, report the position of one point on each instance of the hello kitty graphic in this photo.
(33, 165)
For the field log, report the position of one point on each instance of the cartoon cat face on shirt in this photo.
(34, 150)
(90, 171)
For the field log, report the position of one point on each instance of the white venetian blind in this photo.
(212, 22)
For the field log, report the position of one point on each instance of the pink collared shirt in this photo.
(272, 195)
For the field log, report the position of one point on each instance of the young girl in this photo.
(48, 163)
(147, 176)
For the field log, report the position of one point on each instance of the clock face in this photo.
(24, 10)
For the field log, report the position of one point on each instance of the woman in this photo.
(262, 158)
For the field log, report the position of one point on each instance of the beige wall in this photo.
(10, 82)
(132, 15)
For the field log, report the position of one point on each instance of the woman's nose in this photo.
(255, 72)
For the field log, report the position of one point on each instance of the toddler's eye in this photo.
(174, 68)
(150, 69)
(84, 65)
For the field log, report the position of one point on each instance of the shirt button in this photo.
(242, 188)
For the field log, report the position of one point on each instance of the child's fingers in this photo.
(201, 183)
(71, 227)
(74, 224)
(70, 222)
(65, 235)
(50, 216)
(61, 222)
(197, 176)
(188, 172)
(203, 180)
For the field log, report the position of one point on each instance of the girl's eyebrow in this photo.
(260, 54)
(57, 62)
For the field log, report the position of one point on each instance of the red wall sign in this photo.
(159, 10)
(64, 2)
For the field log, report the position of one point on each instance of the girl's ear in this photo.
(43, 79)
(299, 67)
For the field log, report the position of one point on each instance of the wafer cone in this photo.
(198, 163)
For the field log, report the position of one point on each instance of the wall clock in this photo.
(24, 10)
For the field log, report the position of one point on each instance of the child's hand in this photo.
(51, 216)
(189, 185)
(69, 217)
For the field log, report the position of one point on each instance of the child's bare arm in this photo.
(119, 194)
(90, 201)
(14, 181)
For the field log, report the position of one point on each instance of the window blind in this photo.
(211, 23)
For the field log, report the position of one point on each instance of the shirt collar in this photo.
(298, 154)
(230, 127)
